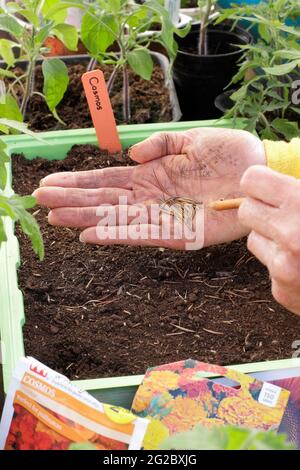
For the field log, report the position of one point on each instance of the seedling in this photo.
(41, 19)
(16, 207)
(268, 70)
(206, 10)
(112, 31)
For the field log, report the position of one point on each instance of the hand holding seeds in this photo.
(272, 212)
(175, 171)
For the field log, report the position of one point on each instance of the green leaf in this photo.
(19, 205)
(264, 32)
(56, 81)
(67, 34)
(51, 11)
(7, 73)
(9, 109)
(291, 54)
(287, 128)
(10, 25)
(4, 158)
(56, 10)
(268, 134)
(98, 33)
(3, 237)
(22, 128)
(283, 68)
(6, 51)
(226, 438)
(30, 16)
(240, 94)
(141, 62)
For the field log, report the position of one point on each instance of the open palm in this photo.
(196, 166)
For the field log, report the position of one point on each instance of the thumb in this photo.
(158, 145)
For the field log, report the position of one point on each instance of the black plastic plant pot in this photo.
(223, 102)
(200, 79)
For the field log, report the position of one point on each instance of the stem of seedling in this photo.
(202, 47)
(91, 65)
(111, 80)
(29, 82)
(126, 95)
(29, 86)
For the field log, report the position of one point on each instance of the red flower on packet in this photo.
(45, 411)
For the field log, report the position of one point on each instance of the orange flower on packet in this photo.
(44, 411)
(176, 397)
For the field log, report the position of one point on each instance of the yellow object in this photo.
(284, 157)
(118, 415)
(156, 433)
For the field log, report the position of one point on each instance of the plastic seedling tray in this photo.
(116, 390)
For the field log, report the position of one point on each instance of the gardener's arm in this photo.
(272, 213)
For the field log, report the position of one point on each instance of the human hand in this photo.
(199, 165)
(272, 212)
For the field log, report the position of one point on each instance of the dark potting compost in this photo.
(99, 311)
(150, 101)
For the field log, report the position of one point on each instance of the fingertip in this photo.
(82, 237)
(87, 235)
(135, 152)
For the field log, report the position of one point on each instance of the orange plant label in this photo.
(101, 111)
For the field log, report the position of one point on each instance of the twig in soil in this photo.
(175, 334)
(180, 296)
(182, 328)
(134, 295)
(235, 294)
(212, 332)
(89, 283)
(213, 297)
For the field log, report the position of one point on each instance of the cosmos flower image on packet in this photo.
(44, 411)
(176, 397)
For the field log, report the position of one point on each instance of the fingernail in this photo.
(34, 193)
(131, 148)
(42, 182)
(81, 238)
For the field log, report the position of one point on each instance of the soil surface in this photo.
(150, 101)
(96, 311)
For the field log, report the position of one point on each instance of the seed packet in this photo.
(290, 424)
(44, 411)
(176, 397)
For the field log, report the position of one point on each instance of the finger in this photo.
(140, 235)
(119, 177)
(158, 145)
(260, 217)
(102, 215)
(263, 248)
(71, 197)
(286, 296)
(262, 183)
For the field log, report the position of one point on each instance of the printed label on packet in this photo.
(44, 411)
(269, 395)
(101, 111)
